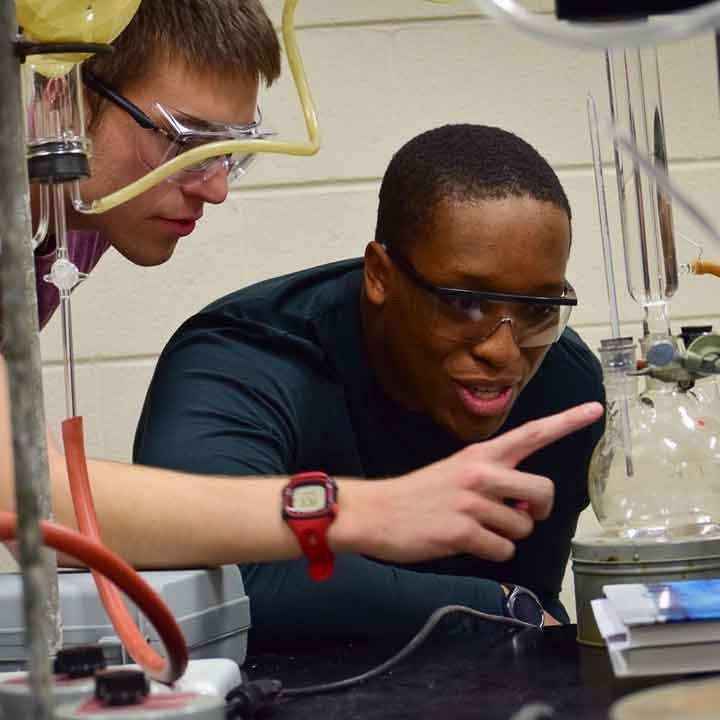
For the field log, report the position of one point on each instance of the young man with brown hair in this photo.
(199, 62)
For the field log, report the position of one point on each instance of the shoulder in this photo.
(305, 293)
(282, 318)
(569, 374)
(572, 351)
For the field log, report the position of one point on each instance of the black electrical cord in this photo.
(256, 697)
(414, 643)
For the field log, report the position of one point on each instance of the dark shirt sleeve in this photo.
(363, 600)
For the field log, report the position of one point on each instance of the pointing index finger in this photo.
(514, 446)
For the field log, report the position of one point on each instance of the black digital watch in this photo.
(523, 604)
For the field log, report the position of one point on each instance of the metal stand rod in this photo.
(18, 307)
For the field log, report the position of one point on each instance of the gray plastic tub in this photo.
(210, 607)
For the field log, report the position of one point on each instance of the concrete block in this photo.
(122, 392)
(350, 75)
(89, 404)
(318, 12)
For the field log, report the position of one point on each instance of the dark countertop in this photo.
(448, 678)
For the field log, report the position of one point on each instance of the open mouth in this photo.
(485, 400)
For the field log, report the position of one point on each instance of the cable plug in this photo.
(252, 699)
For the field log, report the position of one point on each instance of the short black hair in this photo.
(459, 163)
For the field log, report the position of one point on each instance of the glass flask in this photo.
(656, 471)
(57, 21)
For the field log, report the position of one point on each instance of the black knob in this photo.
(79, 661)
(689, 332)
(121, 687)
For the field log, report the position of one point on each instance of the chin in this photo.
(154, 252)
(472, 430)
(480, 434)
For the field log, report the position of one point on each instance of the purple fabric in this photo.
(85, 248)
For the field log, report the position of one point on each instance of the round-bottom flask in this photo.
(656, 471)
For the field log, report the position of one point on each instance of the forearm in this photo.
(363, 600)
(163, 519)
(160, 518)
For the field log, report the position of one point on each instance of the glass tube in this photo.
(603, 216)
(64, 276)
(43, 216)
(645, 211)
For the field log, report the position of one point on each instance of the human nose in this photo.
(212, 189)
(499, 346)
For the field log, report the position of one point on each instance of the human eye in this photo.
(186, 144)
(467, 306)
(539, 314)
(167, 141)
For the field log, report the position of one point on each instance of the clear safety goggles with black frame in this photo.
(475, 315)
(175, 132)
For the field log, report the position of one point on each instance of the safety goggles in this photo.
(473, 316)
(173, 132)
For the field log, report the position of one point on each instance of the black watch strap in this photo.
(524, 605)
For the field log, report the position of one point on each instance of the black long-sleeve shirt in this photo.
(274, 379)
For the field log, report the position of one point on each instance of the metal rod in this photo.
(18, 307)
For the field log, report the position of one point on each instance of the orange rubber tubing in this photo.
(115, 569)
(124, 624)
(706, 267)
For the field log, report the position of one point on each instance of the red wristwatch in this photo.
(309, 507)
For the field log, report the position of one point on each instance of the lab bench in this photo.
(453, 678)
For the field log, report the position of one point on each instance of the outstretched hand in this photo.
(475, 501)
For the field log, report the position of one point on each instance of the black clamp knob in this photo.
(690, 332)
(79, 661)
(121, 687)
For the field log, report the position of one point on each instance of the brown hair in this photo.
(223, 36)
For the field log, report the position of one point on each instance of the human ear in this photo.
(377, 273)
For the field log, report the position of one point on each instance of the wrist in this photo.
(351, 530)
(309, 508)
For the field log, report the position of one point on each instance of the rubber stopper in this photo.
(79, 661)
(121, 687)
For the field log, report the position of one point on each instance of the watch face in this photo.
(308, 498)
(526, 607)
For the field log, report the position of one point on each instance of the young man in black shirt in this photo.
(407, 368)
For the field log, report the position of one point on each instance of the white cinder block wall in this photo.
(381, 71)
